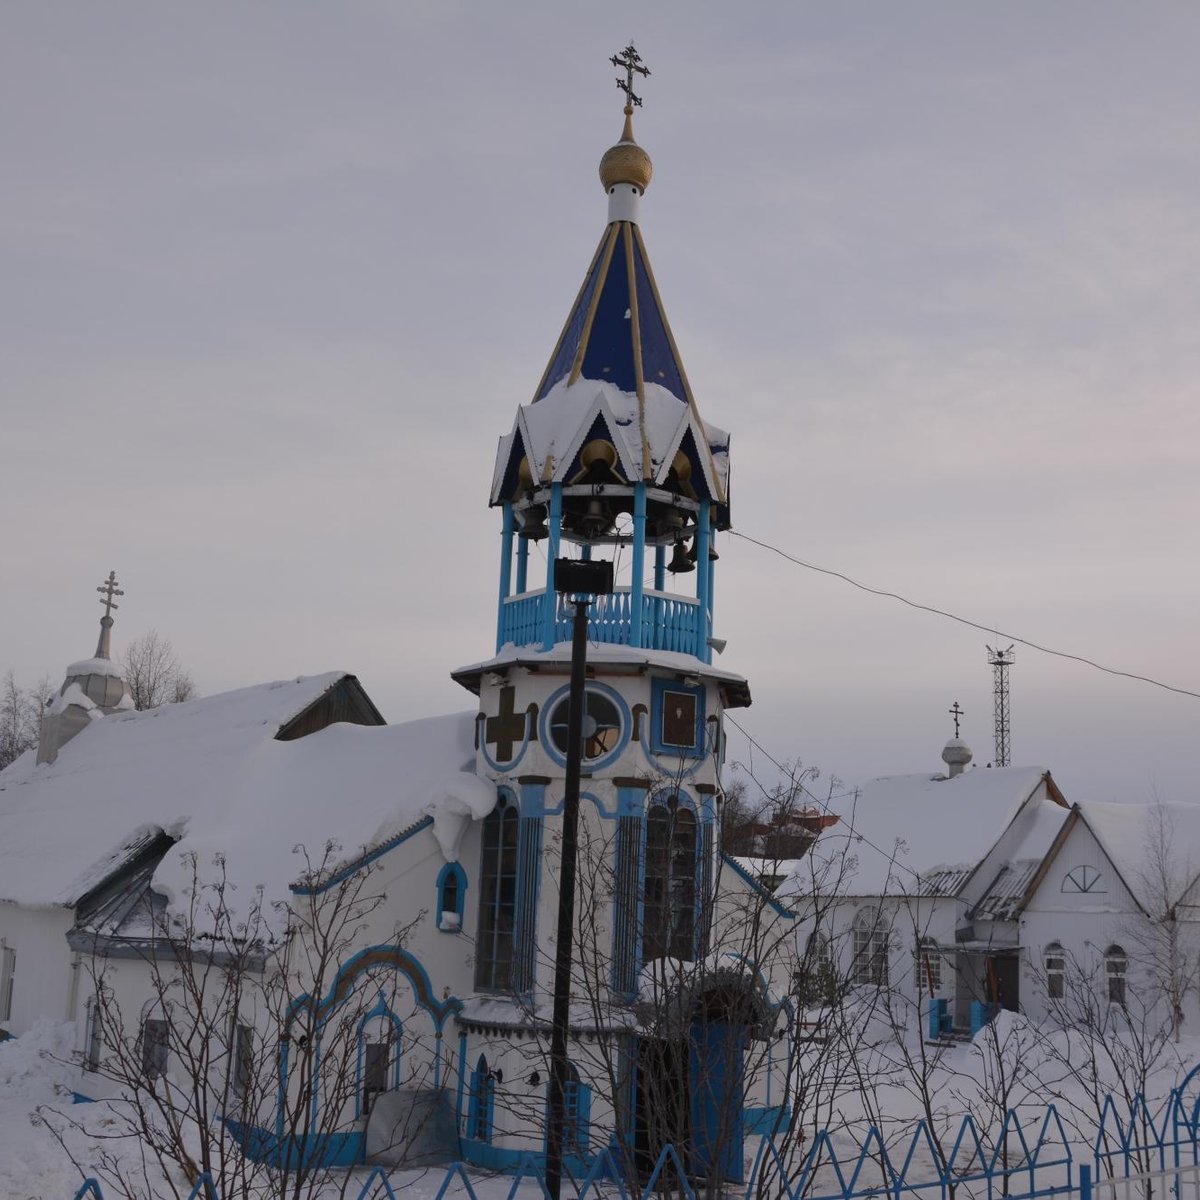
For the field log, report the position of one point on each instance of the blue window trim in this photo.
(590, 764)
(481, 1109)
(684, 801)
(577, 1114)
(451, 871)
(658, 690)
(763, 893)
(506, 801)
(379, 1011)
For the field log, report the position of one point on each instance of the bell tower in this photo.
(609, 459)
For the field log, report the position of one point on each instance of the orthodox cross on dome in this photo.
(956, 712)
(507, 729)
(630, 61)
(110, 589)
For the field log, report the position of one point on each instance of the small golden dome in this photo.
(626, 162)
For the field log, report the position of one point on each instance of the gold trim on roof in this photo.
(611, 235)
(636, 332)
(570, 313)
(722, 497)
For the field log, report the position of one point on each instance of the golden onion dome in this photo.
(626, 162)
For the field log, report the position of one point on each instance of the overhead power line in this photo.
(941, 612)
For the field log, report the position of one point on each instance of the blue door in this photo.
(715, 1078)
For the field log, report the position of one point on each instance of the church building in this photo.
(425, 1034)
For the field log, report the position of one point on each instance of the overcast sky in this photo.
(276, 276)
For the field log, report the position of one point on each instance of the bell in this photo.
(597, 520)
(693, 552)
(533, 523)
(681, 562)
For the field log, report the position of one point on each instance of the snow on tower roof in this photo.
(909, 834)
(211, 773)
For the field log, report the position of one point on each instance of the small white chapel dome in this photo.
(956, 755)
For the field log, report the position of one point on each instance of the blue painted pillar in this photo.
(550, 599)
(660, 568)
(522, 565)
(712, 575)
(703, 573)
(506, 546)
(639, 564)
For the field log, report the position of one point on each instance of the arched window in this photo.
(479, 1114)
(451, 893)
(816, 980)
(379, 1035)
(577, 1098)
(927, 963)
(1054, 960)
(1116, 969)
(497, 897)
(155, 1039)
(669, 890)
(870, 948)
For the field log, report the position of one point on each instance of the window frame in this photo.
(499, 894)
(155, 1044)
(1116, 975)
(451, 874)
(1054, 964)
(872, 945)
(671, 923)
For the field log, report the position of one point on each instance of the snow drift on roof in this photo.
(211, 772)
(1128, 834)
(902, 828)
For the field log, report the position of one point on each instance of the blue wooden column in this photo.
(639, 564)
(660, 568)
(703, 573)
(550, 599)
(712, 575)
(522, 565)
(506, 548)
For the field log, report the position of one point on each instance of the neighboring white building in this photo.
(457, 820)
(1115, 909)
(919, 884)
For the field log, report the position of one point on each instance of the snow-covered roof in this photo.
(613, 656)
(909, 834)
(212, 773)
(1129, 836)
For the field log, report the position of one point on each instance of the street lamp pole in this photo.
(584, 579)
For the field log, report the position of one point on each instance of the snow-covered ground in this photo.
(1012, 1063)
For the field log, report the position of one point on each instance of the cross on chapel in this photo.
(110, 589)
(956, 712)
(630, 61)
(507, 728)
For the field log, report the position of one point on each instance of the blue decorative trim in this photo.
(510, 1161)
(376, 956)
(344, 1149)
(680, 771)
(365, 859)
(80, 1098)
(380, 1010)
(455, 871)
(758, 888)
(762, 1120)
(591, 764)
(658, 690)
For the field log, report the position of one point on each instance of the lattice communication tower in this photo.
(1000, 661)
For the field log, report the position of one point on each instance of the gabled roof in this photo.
(1127, 835)
(215, 775)
(928, 835)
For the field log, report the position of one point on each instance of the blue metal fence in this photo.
(1023, 1160)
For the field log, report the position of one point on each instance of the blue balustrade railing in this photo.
(665, 622)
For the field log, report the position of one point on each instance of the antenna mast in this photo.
(1000, 661)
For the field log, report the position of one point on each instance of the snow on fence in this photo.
(1137, 1155)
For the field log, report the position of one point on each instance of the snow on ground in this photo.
(36, 1074)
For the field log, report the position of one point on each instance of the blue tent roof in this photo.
(617, 330)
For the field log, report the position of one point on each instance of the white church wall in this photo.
(36, 966)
